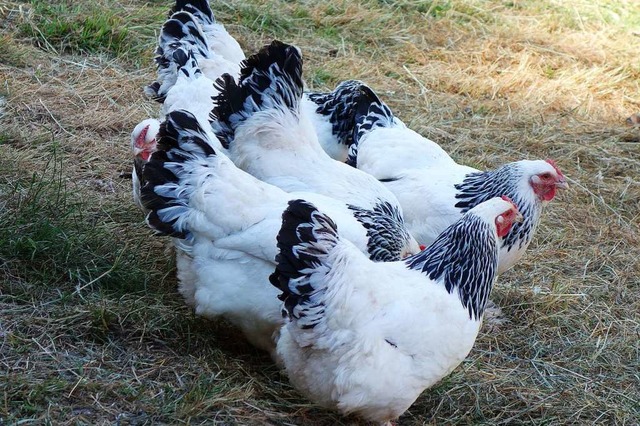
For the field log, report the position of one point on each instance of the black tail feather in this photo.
(304, 241)
(180, 140)
(272, 78)
(198, 8)
(370, 113)
(228, 109)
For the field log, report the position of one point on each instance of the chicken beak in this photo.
(519, 218)
(562, 184)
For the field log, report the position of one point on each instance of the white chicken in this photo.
(183, 30)
(435, 191)
(367, 338)
(258, 120)
(331, 113)
(226, 222)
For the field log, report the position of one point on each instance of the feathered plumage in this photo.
(258, 120)
(184, 31)
(367, 338)
(434, 190)
(228, 222)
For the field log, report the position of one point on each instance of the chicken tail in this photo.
(305, 240)
(187, 65)
(338, 107)
(370, 113)
(269, 80)
(200, 9)
(180, 31)
(168, 176)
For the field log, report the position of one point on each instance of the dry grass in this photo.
(92, 330)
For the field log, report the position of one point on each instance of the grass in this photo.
(92, 329)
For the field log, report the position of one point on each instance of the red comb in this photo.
(509, 200)
(140, 140)
(554, 165)
(504, 197)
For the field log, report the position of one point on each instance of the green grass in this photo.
(72, 27)
(90, 28)
(51, 240)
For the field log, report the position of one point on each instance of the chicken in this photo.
(258, 121)
(184, 31)
(218, 39)
(367, 338)
(143, 144)
(331, 113)
(435, 191)
(226, 222)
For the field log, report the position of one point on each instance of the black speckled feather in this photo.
(482, 186)
(465, 257)
(270, 78)
(304, 241)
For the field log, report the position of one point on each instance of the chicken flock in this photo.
(355, 251)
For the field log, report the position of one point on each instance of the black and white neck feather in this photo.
(370, 113)
(180, 31)
(386, 231)
(187, 63)
(478, 187)
(338, 107)
(465, 258)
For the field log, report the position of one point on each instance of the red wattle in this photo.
(548, 196)
(140, 140)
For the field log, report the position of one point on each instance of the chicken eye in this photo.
(546, 175)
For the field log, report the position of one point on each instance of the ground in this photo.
(92, 329)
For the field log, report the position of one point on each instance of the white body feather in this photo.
(350, 367)
(234, 219)
(281, 148)
(381, 333)
(424, 177)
